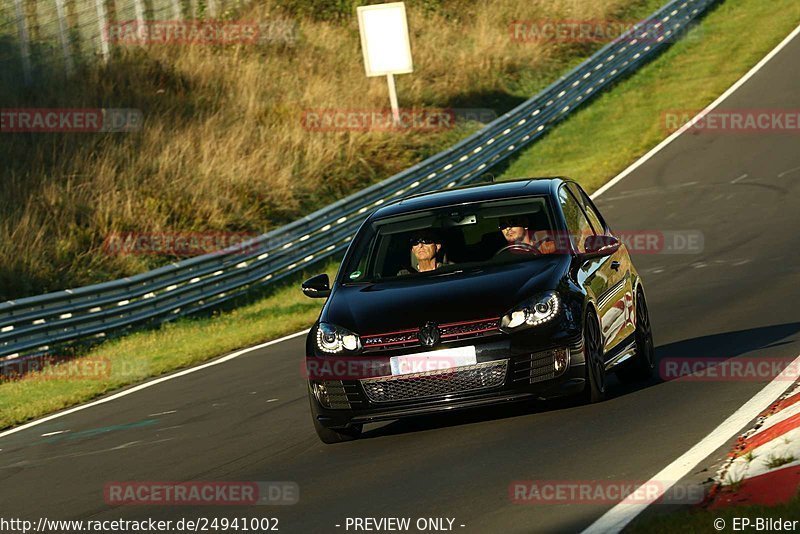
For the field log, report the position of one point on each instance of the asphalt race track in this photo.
(248, 418)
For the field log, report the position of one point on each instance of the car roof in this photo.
(521, 187)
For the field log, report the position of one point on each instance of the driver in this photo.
(515, 230)
(426, 247)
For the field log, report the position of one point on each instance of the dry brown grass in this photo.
(223, 148)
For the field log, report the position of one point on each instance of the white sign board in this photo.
(384, 39)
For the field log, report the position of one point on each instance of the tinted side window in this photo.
(355, 267)
(594, 218)
(577, 224)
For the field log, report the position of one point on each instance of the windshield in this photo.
(450, 239)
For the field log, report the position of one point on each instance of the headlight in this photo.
(334, 339)
(532, 312)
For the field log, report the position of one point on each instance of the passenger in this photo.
(516, 231)
(426, 246)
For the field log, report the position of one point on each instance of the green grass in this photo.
(591, 146)
(698, 520)
(773, 462)
(145, 354)
(602, 139)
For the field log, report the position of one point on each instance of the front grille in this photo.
(436, 383)
(395, 340)
(447, 332)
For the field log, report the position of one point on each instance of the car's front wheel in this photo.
(595, 389)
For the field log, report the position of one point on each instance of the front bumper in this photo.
(509, 368)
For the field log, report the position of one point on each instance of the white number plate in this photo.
(433, 360)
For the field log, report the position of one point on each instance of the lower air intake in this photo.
(436, 383)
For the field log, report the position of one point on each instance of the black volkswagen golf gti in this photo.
(475, 296)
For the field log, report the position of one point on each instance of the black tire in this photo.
(642, 365)
(330, 435)
(595, 388)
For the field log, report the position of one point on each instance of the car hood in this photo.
(382, 307)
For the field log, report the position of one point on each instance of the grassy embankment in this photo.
(223, 147)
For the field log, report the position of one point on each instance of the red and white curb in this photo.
(764, 465)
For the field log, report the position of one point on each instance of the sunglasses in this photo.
(421, 241)
(502, 225)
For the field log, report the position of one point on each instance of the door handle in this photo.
(615, 265)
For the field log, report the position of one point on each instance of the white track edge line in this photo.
(615, 519)
(148, 384)
(741, 81)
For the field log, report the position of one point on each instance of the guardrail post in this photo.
(176, 10)
(24, 42)
(138, 8)
(102, 21)
(63, 35)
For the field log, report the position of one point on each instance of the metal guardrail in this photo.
(35, 324)
(42, 38)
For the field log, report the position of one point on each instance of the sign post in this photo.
(385, 45)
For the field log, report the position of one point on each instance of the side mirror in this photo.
(317, 286)
(600, 245)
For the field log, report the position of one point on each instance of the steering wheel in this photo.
(518, 247)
